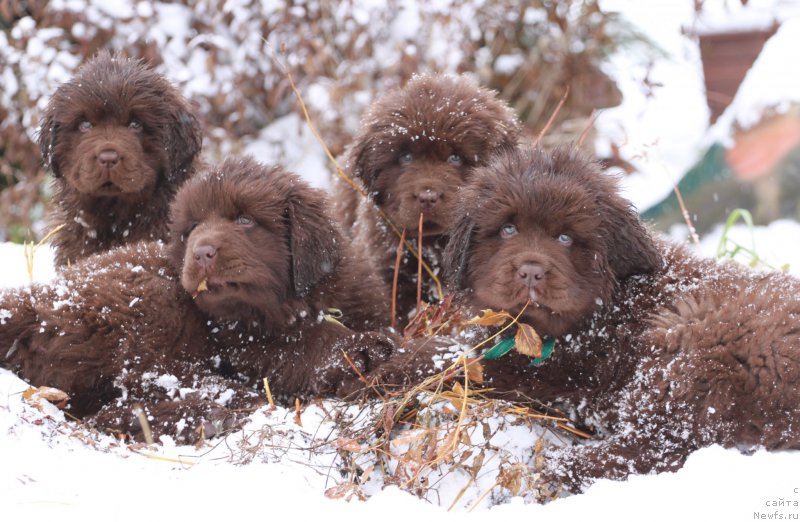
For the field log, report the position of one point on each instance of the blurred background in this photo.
(699, 93)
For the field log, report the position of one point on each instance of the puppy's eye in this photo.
(455, 159)
(135, 126)
(406, 158)
(508, 230)
(245, 220)
(565, 240)
(84, 126)
(188, 230)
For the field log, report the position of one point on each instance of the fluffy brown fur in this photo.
(109, 331)
(119, 140)
(276, 265)
(659, 352)
(122, 327)
(416, 147)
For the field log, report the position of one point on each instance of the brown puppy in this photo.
(114, 330)
(658, 351)
(260, 252)
(119, 139)
(416, 147)
(122, 327)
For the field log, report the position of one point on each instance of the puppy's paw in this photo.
(186, 421)
(353, 357)
(413, 361)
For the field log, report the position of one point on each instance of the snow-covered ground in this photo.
(51, 469)
(50, 466)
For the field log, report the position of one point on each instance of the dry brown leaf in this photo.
(510, 477)
(538, 452)
(489, 317)
(201, 287)
(346, 444)
(409, 437)
(445, 452)
(366, 474)
(527, 341)
(52, 395)
(388, 418)
(475, 371)
(433, 319)
(458, 399)
(345, 489)
(449, 412)
(477, 465)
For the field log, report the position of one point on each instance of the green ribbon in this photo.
(499, 349)
(507, 344)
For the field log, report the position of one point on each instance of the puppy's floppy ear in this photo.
(456, 254)
(631, 247)
(184, 136)
(358, 161)
(48, 134)
(313, 239)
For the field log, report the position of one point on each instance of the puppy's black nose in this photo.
(428, 199)
(531, 274)
(108, 158)
(204, 255)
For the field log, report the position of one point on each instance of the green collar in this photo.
(507, 344)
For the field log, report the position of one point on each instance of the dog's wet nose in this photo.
(108, 158)
(204, 255)
(531, 274)
(428, 199)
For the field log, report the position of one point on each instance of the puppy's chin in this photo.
(433, 223)
(546, 321)
(429, 229)
(550, 316)
(109, 189)
(231, 300)
(134, 183)
(226, 302)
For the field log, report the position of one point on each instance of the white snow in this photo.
(508, 63)
(776, 244)
(660, 134)
(290, 143)
(14, 267)
(169, 382)
(49, 469)
(734, 15)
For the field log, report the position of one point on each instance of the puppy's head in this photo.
(418, 144)
(118, 129)
(549, 229)
(247, 238)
